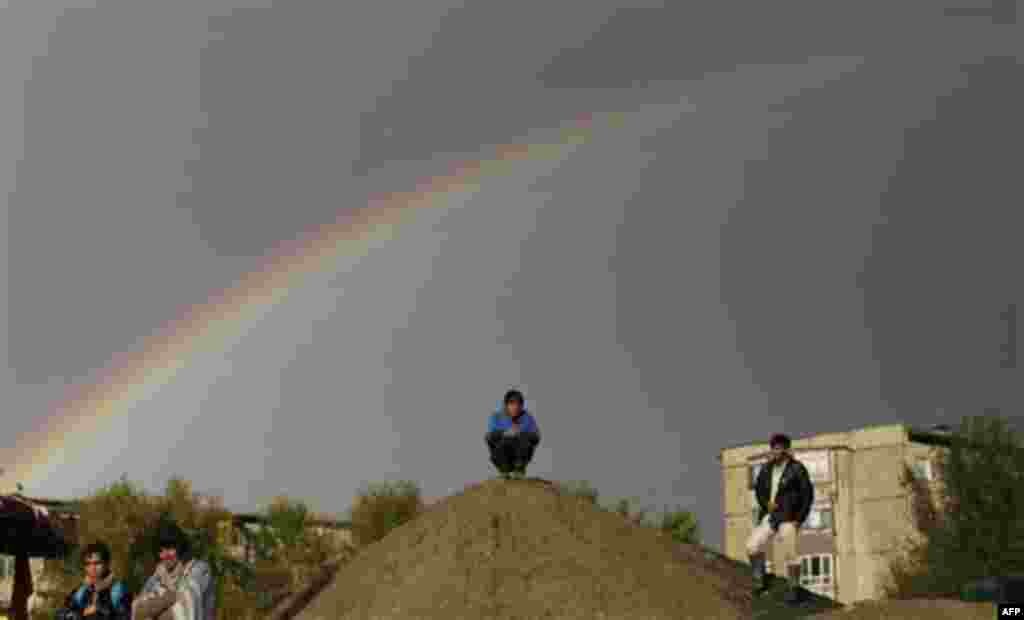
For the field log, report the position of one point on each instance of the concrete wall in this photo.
(845, 516)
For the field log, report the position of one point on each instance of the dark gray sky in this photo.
(809, 222)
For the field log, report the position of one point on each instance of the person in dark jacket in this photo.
(100, 595)
(512, 436)
(784, 498)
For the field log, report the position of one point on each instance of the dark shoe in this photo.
(794, 594)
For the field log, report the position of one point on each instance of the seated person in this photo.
(512, 436)
(182, 587)
(784, 495)
(100, 595)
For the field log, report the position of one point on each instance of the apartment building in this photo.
(861, 513)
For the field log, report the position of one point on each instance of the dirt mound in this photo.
(770, 605)
(523, 550)
(913, 610)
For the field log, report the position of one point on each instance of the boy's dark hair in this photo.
(516, 396)
(170, 536)
(778, 439)
(97, 548)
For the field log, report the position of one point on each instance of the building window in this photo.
(816, 571)
(819, 519)
(922, 469)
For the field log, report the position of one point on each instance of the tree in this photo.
(381, 507)
(287, 519)
(972, 525)
(294, 544)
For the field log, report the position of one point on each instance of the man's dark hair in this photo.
(170, 536)
(778, 439)
(514, 395)
(97, 548)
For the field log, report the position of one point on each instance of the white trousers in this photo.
(762, 537)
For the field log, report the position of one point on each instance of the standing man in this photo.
(784, 497)
(181, 588)
(512, 436)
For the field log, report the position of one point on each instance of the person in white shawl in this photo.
(181, 588)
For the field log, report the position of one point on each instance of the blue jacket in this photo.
(500, 421)
(113, 603)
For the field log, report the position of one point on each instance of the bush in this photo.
(681, 525)
(381, 507)
(624, 508)
(580, 488)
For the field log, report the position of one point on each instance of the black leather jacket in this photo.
(793, 499)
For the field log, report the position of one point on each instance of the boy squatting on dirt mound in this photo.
(784, 496)
(512, 436)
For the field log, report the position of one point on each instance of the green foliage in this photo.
(292, 543)
(580, 488)
(383, 506)
(681, 525)
(123, 488)
(971, 527)
(625, 509)
(287, 520)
